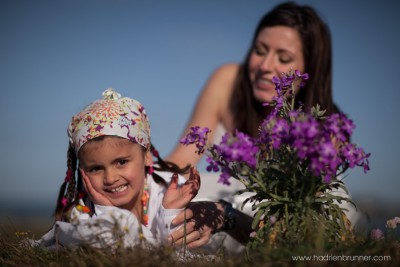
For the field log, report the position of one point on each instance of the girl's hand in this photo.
(95, 196)
(178, 197)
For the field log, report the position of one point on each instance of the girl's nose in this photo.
(110, 177)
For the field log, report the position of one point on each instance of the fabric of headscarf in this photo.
(115, 116)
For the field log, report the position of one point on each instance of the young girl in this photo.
(119, 198)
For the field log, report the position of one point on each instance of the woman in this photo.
(289, 37)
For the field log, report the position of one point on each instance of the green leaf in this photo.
(256, 219)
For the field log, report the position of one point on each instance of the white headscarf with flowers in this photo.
(124, 117)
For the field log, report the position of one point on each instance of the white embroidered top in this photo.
(111, 227)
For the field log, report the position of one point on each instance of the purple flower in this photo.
(239, 148)
(302, 76)
(340, 126)
(279, 133)
(284, 82)
(312, 128)
(212, 165)
(347, 125)
(355, 156)
(276, 81)
(327, 150)
(292, 140)
(196, 136)
(224, 176)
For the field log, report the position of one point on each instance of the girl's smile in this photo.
(119, 189)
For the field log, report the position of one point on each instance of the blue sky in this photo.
(58, 56)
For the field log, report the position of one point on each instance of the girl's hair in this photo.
(315, 37)
(163, 165)
(72, 190)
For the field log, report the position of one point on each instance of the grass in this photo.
(15, 250)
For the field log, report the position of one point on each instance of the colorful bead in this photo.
(151, 169)
(81, 208)
(68, 175)
(64, 201)
(145, 203)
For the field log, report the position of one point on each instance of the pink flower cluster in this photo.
(377, 234)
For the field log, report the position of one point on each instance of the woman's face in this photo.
(116, 169)
(277, 49)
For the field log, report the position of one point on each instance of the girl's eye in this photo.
(93, 170)
(122, 162)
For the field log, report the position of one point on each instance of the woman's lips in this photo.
(264, 84)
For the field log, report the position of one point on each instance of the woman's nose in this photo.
(266, 64)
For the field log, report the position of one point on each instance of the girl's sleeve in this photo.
(164, 223)
(110, 228)
(163, 217)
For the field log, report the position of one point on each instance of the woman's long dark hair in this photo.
(247, 112)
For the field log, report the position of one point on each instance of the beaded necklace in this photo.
(145, 203)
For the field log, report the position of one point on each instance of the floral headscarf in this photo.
(124, 117)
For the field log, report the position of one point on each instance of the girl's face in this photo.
(277, 49)
(116, 169)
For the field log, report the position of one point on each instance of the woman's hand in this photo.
(201, 220)
(95, 196)
(178, 197)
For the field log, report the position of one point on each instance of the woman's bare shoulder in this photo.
(223, 78)
(229, 70)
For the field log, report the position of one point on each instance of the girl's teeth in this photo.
(119, 189)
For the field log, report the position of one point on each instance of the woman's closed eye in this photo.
(285, 57)
(260, 52)
(285, 60)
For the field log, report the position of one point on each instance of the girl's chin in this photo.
(123, 204)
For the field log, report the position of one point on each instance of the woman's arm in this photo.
(212, 108)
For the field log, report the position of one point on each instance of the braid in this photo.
(165, 166)
(70, 178)
(68, 195)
